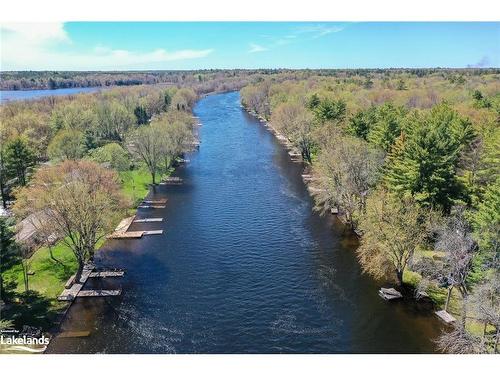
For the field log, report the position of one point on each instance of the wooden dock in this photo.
(107, 274)
(132, 234)
(389, 294)
(445, 316)
(173, 180)
(99, 293)
(121, 229)
(69, 294)
(73, 334)
(155, 201)
(148, 232)
(149, 220)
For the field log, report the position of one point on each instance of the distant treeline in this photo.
(39, 80)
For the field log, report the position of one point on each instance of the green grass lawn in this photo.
(135, 184)
(49, 275)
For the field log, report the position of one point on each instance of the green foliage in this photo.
(401, 85)
(112, 154)
(393, 228)
(114, 120)
(141, 115)
(18, 159)
(361, 123)
(423, 161)
(330, 110)
(313, 101)
(67, 144)
(9, 256)
(480, 101)
(387, 125)
(74, 115)
(486, 223)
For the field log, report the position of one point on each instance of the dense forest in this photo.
(46, 80)
(409, 160)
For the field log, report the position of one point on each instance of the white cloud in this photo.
(317, 31)
(31, 46)
(312, 31)
(256, 48)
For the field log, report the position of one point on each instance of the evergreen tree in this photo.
(19, 157)
(387, 126)
(423, 162)
(486, 224)
(9, 255)
(330, 110)
(141, 115)
(360, 124)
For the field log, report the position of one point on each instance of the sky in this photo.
(226, 45)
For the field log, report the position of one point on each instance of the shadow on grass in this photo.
(32, 309)
(58, 269)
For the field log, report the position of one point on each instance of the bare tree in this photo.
(486, 304)
(349, 168)
(393, 227)
(296, 123)
(146, 142)
(455, 239)
(80, 200)
(459, 341)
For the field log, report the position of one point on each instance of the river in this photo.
(15, 95)
(244, 264)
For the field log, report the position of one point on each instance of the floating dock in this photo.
(389, 294)
(132, 234)
(445, 316)
(148, 232)
(155, 201)
(149, 220)
(173, 180)
(99, 293)
(121, 229)
(107, 274)
(73, 334)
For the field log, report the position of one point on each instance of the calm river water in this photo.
(243, 266)
(14, 95)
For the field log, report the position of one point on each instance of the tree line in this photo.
(411, 163)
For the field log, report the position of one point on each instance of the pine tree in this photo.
(19, 157)
(423, 162)
(360, 124)
(387, 126)
(9, 255)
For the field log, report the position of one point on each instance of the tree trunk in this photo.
(497, 337)
(3, 195)
(153, 177)
(24, 265)
(399, 275)
(464, 311)
(448, 297)
(79, 272)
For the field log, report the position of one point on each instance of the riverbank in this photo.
(412, 280)
(50, 268)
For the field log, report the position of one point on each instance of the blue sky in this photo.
(191, 45)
